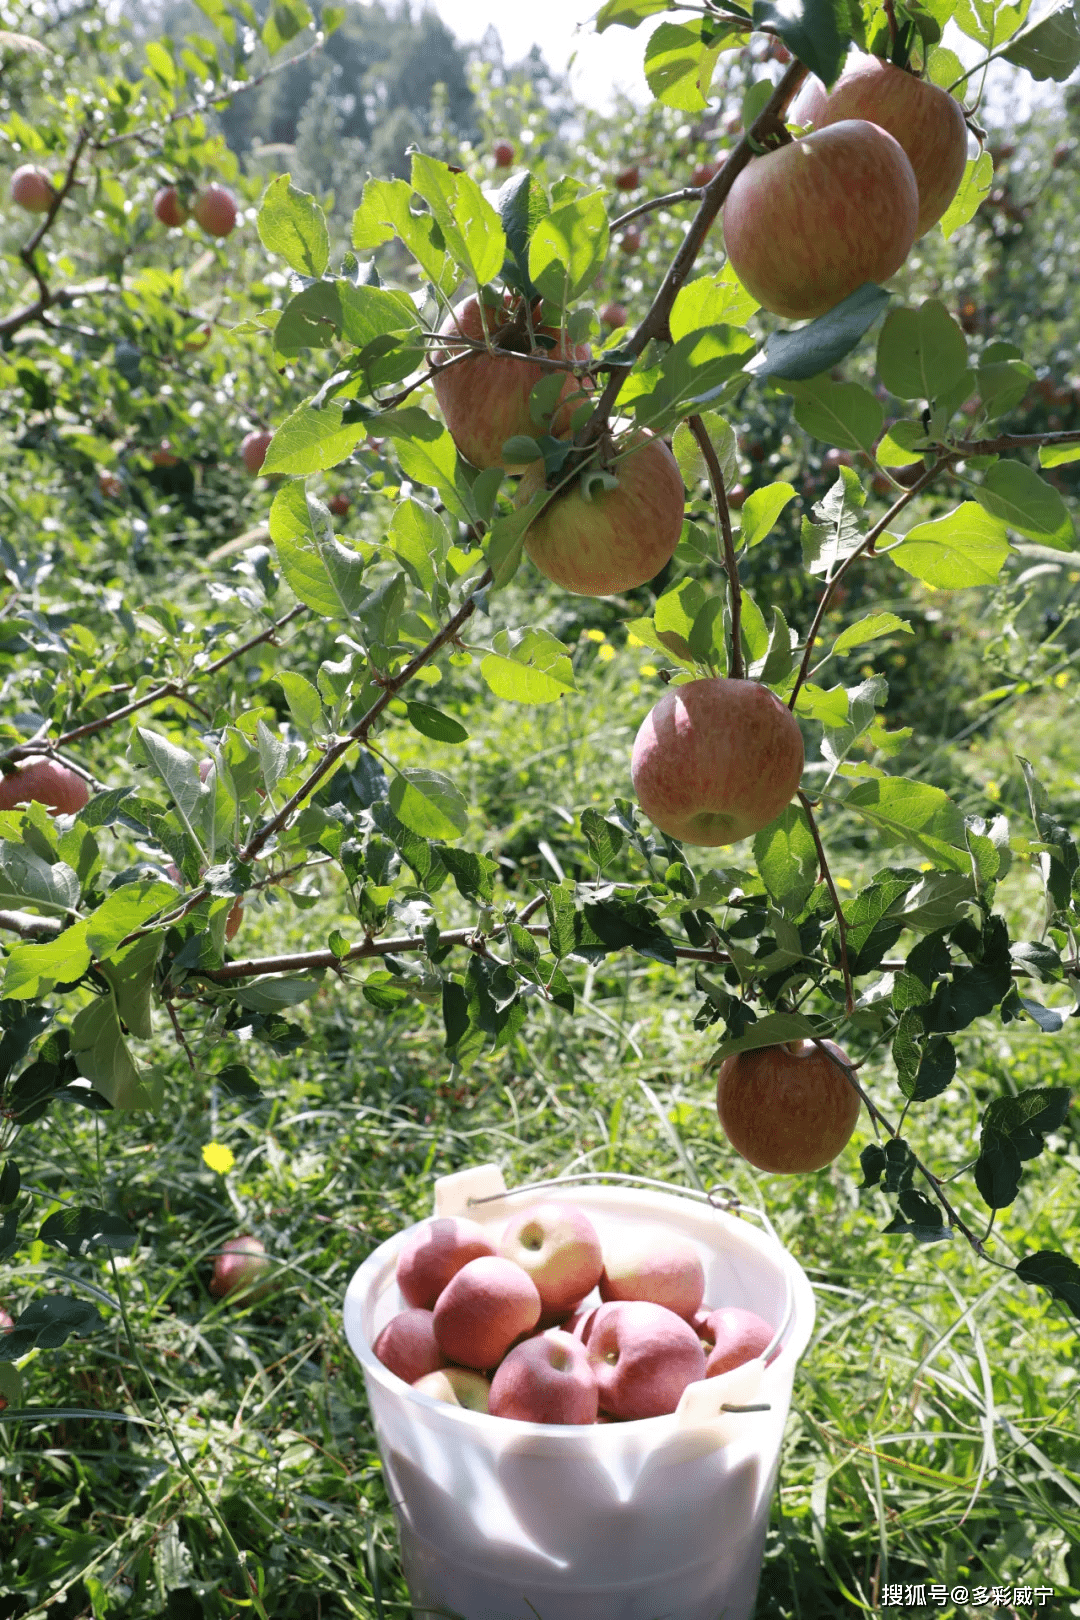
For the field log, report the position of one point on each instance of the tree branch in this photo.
(655, 324)
(687, 194)
(21, 317)
(360, 731)
(841, 921)
(716, 481)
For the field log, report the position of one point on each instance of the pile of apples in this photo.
(500, 1328)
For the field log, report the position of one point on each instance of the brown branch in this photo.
(27, 925)
(865, 549)
(687, 194)
(716, 480)
(359, 732)
(21, 317)
(841, 921)
(1012, 441)
(655, 324)
(932, 1181)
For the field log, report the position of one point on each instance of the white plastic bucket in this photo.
(660, 1519)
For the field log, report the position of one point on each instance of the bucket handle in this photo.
(484, 1184)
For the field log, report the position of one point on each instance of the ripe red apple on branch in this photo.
(809, 222)
(44, 781)
(927, 121)
(595, 540)
(787, 1109)
(716, 760)
(169, 210)
(253, 448)
(215, 211)
(503, 153)
(32, 189)
(485, 398)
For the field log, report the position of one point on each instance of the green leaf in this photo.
(470, 226)
(287, 19)
(569, 247)
(528, 666)
(292, 224)
(680, 59)
(974, 189)
(914, 813)
(604, 839)
(506, 539)
(124, 910)
(1015, 493)
(690, 459)
(311, 441)
(786, 857)
(305, 704)
(1050, 49)
(77, 1230)
(432, 722)
(428, 803)
(964, 548)
(922, 353)
(49, 1322)
(821, 343)
(629, 13)
(708, 301)
(874, 626)
(430, 457)
(385, 211)
(1058, 455)
(419, 539)
(1059, 1275)
(34, 970)
(275, 992)
(26, 877)
(131, 973)
(843, 414)
(816, 31)
(761, 510)
(102, 1056)
(321, 572)
(521, 203)
(772, 1030)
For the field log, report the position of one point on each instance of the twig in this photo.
(687, 194)
(841, 921)
(655, 324)
(359, 732)
(29, 926)
(179, 1033)
(21, 317)
(716, 480)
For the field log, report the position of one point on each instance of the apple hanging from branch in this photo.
(32, 189)
(44, 781)
(788, 1109)
(809, 222)
(215, 211)
(169, 210)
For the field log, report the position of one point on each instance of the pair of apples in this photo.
(499, 1328)
(214, 210)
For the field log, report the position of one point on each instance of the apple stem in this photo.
(841, 921)
(716, 481)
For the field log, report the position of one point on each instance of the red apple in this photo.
(736, 496)
(503, 153)
(787, 1109)
(164, 456)
(546, 1380)
(663, 1271)
(434, 1254)
(613, 315)
(628, 179)
(215, 211)
(736, 1336)
(557, 1245)
(609, 540)
(32, 189)
(238, 1267)
(579, 1325)
(716, 760)
(643, 1357)
(484, 1307)
(7, 1321)
(926, 120)
(704, 172)
(808, 223)
(485, 399)
(630, 240)
(199, 339)
(110, 484)
(407, 1345)
(253, 448)
(168, 208)
(340, 505)
(457, 1386)
(44, 781)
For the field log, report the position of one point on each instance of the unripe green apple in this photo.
(32, 189)
(215, 211)
(716, 760)
(926, 120)
(787, 1109)
(597, 541)
(808, 223)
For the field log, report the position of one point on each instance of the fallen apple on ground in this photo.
(557, 1246)
(661, 1270)
(239, 1269)
(788, 1109)
(435, 1254)
(546, 1380)
(716, 760)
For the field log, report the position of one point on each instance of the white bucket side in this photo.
(603, 1522)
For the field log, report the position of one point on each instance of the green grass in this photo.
(933, 1433)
